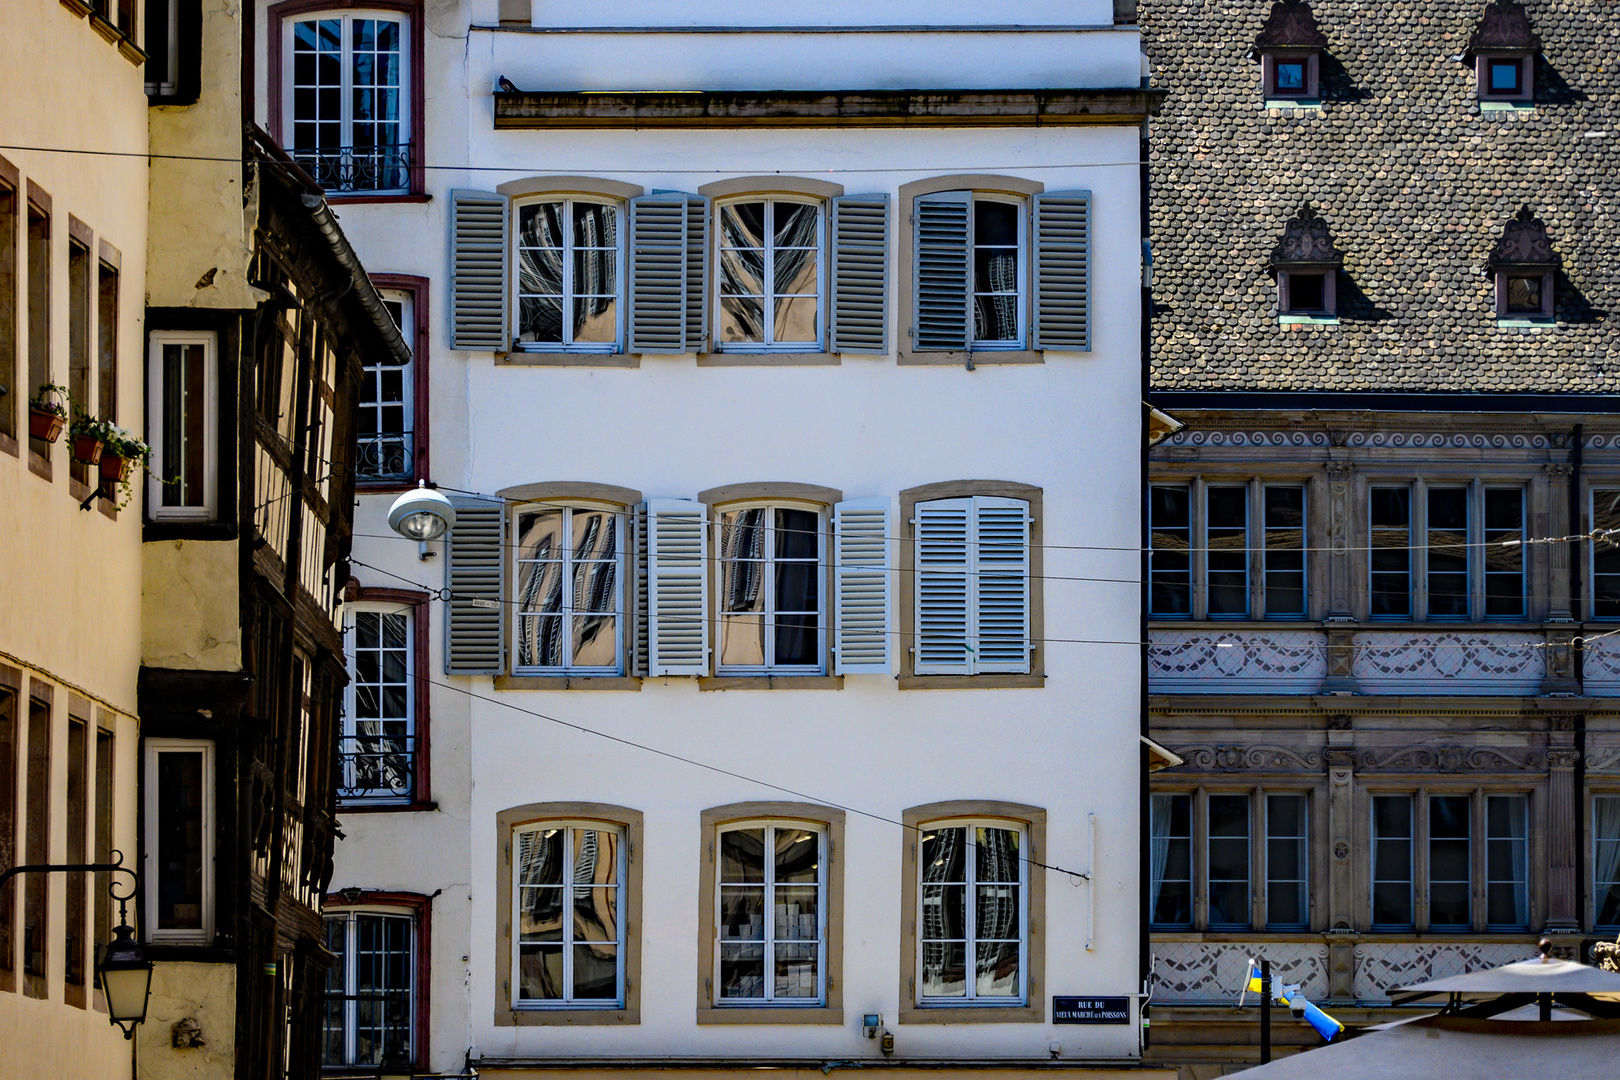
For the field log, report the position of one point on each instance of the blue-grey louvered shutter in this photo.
(697, 273)
(474, 573)
(479, 228)
(860, 274)
(942, 587)
(669, 265)
(942, 277)
(861, 587)
(1063, 271)
(677, 587)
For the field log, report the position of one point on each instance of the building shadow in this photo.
(1336, 83)
(1570, 305)
(1355, 305)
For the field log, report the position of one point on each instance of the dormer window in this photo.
(1524, 266)
(1307, 267)
(1289, 48)
(1503, 49)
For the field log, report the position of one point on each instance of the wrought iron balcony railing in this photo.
(355, 168)
(376, 767)
(381, 1023)
(385, 457)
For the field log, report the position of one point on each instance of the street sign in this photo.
(1091, 1010)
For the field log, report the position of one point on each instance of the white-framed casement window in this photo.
(570, 275)
(771, 594)
(771, 280)
(386, 415)
(990, 228)
(179, 840)
(346, 102)
(972, 586)
(1606, 862)
(568, 905)
(568, 609)
(771, 914)
(972, 920)
(370, 988)
(1440, 552)
(183, 421)
(378, 752)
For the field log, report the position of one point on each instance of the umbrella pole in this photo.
(1265, 1011)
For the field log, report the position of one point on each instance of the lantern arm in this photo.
(116, 866)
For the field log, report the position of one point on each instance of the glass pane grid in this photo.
(771, 917)
(369, 1012)
(971, 924)
(1448, 547)
(1170, 561)
(997, 274)
(1287, 863)
(1605, 555)
(1228, 861)
(1284, 552)
(770, 275)
(378, 736)
(1392, 862)
(347, 103)
(771, 592)
(1227, 538)
(1507, 899)
(568, 932)
(569, 594)
(1606, 860)
(1170, 851)
(1450, 877)
(1391, 557)
(1504, 565)
(568, 275)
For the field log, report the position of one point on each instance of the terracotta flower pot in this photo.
(44, 424)
(113, 466)
(86, 449)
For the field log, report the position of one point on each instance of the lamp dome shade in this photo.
(421, 514)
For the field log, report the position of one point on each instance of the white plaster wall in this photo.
(865, 426)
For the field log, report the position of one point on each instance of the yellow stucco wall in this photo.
(205, 993)
(191, 604)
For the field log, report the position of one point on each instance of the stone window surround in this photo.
(831, 821)
(905, 270)
(631, 823)
(805, 496)
(1033, 820)
(905, 617)
(420, 604)
(568, 492)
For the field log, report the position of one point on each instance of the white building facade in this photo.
(782, 668)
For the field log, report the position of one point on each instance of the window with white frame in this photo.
(568, 606)
(770, 280)
(179, 840)
(991, 230)
(378, 752)
(972, 586)
(971, 929)
(569, 275)
(1242, 544)
(1606, 861)
(771, 944)
(1441, 552)
(370, 988)
(347, 105)
(569, 932)
(385, 416)
(771, 591)
(183, 418)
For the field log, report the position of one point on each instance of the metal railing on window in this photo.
(384, 457)
(354, 168)
(376, 767)
(381, 1024)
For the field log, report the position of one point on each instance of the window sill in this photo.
(356, 198)
(1487, 105)
(567, 682)
(566, 1017)
(770, 1014)
(1301, 104)
(391, 486)
(1027, 681)
(560, 358)
(959, 358)
(771, 682)
(769, 359)
(78, 7)
(8, 445)
(1307, 320)
(39, 465)
(972, 1014)
(1526, 323)
(360, 806)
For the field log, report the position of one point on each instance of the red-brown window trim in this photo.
(411, 9)
(1313, 74)
(418, 288)
(1549, 281)
(1330, 291)
(418, 602)
(421, 909)
(1527, 77)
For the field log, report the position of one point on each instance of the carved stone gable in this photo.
(1504, 27)
(1291, 25)
(1524, 245)
(1306, 242)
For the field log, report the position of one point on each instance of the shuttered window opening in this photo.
(972, 586)
(1063, 271)
(770, 591)
(860, 274)
(769, 281)
(971, 283)
(473, 570)
(479, 223)
(861, 586)
(940, 296)
(569, 275)
(568, 612)
(677, 587)
(668, 268)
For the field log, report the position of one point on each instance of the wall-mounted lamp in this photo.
(421, 514)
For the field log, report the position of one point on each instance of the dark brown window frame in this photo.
(1548, 283)
(1526, 94)
(15, 398)
(1330, 291)
(413, 10)
(417, 337)
(421, 790)
(38, 203)
(1312, 59)
(421, 909)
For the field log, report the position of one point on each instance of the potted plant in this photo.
(121, 451)
(89, 438)
(47, 412)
